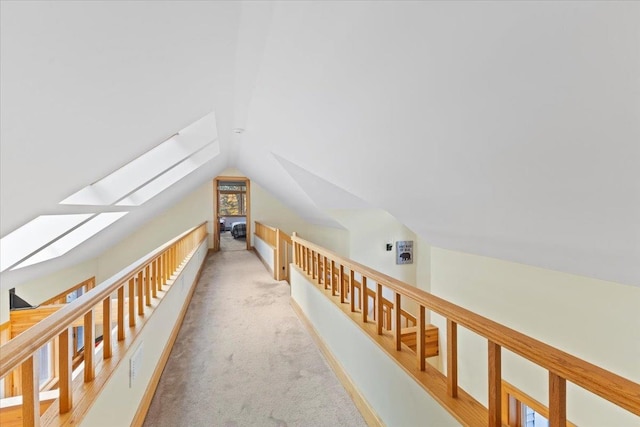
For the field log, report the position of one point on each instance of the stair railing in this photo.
(138, 284)
(336, 276)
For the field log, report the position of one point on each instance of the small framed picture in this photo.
(404, 252)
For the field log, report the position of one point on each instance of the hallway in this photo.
(242, 358)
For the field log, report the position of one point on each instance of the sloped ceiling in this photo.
(501, 129)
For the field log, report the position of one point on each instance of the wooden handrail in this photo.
(89, 283)
(14, 352)
(608, 385)
(266, 233)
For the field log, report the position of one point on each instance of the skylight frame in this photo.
(147, 167)
(38, 233)
(73, 238)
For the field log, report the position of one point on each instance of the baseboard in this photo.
(263, 262)
(369, 415)
(145, 403)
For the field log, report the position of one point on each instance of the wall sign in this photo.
(404, 252)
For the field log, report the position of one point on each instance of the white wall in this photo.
(118, 401)
(595, 320)
(395, 397)
(267, 253)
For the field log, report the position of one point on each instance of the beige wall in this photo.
(592, 319)
(268, 210)
(192, 210)
(369, 232)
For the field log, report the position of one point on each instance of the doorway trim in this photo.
(216, 208)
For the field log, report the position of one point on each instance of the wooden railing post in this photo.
(420, 331)
(106, 328)
(31, 391)
(279, 264)
(379, 308)
(352, 291)
(557, 401)
(132, 302)
(121, 313)
(140, 292)
(147, 286)
(154, 278)
(89, 331)
(397, 311)
(65, 354)
(452, 358)
(365, 299)
(343, 289)
(495, 385)
(296, 256)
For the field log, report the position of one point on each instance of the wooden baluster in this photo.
(352, 292)
(65, 370)
(334, 285)
(328, 281)
(420, 331)
(132, 302)
(296, 255)
(379, 307)
(140, 292)
(495, 385)
(89, 331)
(279, 264)
(106, 327)
(154, 278)
(452, 358)
(314, 264)
(30, 373)
(147, 286)
(365, 299)
(397, 310)
(121, 313)
(557, 400)
(343, 291)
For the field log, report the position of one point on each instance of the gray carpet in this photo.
(242, 358)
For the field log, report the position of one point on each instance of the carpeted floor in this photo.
(228, 243)
(242, 358)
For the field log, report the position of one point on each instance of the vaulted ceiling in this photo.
(505, 129)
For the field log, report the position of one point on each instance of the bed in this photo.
(239, 229)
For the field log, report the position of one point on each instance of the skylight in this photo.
(35, 234)
(150, 165)
(171, 176)
(74, 238)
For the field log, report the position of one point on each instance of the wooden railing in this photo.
(266, 233)
(338, 275)
(138, 285)
(281, 243)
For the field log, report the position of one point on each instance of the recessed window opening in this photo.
(170, 177)
(73, 238)
(148, 166)
(34, 235)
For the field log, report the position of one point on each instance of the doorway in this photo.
(232, 214)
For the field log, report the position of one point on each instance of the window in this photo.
(521, 410)
(233, 199)
(46, 364)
